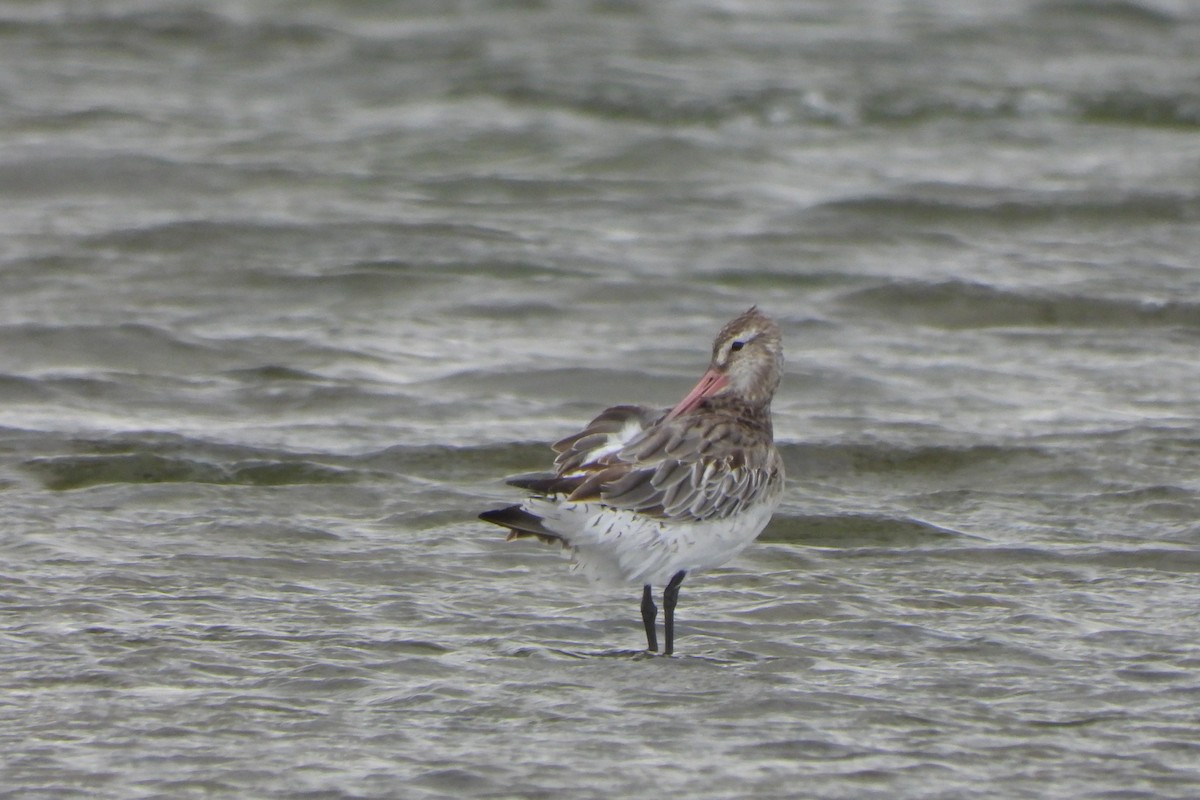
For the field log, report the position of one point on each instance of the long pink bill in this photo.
(710, 384)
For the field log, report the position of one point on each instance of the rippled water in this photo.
(286, 288)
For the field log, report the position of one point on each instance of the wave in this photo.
(811, 460)
(19, 389)
(1140, 107)
(109, 174)
(276, 238)
(140, 31)
(1155, 558)
(1129, 105)
(934, 203)
(133, 346)
(62, 473)
(170, 458)
(156, 457)
(965, 305)
(1099, 12)
(626, 67)
(856, 530)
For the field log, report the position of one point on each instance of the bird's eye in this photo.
(738, 345)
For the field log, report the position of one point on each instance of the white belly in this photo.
(610, 545)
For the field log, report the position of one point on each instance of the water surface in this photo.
(286, 289)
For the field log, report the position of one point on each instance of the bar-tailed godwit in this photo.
(647, 496)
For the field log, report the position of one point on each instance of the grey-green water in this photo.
(286, 288)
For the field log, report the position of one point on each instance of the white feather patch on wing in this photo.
(615, 443)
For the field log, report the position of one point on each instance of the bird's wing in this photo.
(582, 454)
(701, 466)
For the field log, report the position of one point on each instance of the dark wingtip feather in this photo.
(531, 480)
(520, 523)
(544, 483)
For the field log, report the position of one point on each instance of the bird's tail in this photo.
(521, 523)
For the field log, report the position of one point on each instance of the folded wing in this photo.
(689, 468)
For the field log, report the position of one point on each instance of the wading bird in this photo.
(647, 496)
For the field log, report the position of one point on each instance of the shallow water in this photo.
(287, 288)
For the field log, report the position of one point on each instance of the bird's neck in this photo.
(752, 415)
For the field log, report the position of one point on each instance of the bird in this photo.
(648, 496)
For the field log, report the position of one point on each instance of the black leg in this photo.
(670, 597)
(649, 613)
